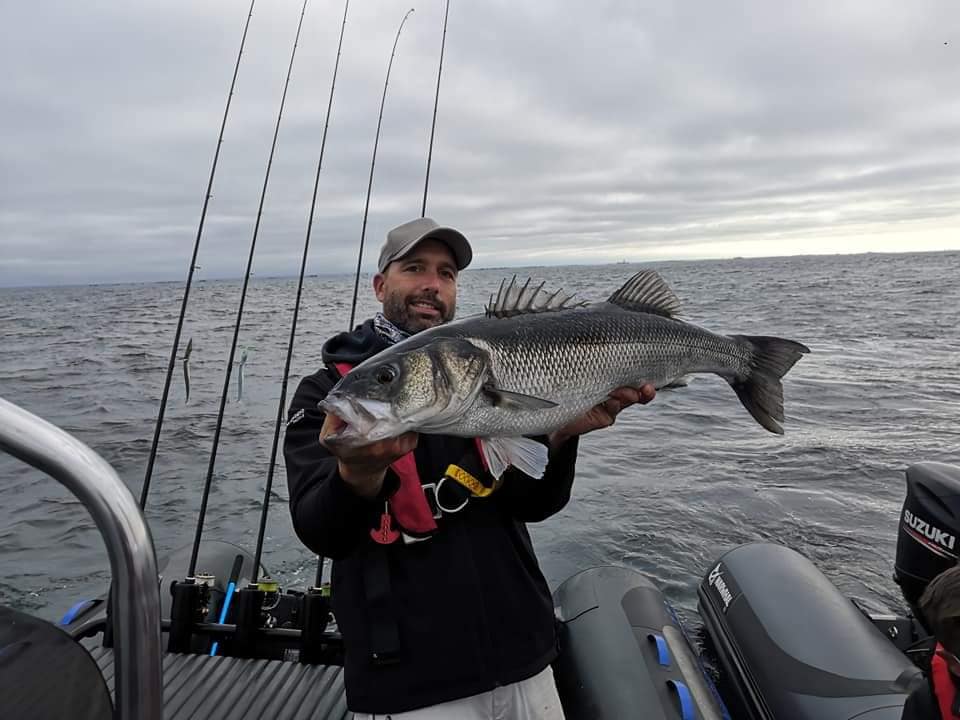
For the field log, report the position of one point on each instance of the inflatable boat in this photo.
(790, 645)
(786, 644)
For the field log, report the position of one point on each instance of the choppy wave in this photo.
(665, 490)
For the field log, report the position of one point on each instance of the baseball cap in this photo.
(403, 238)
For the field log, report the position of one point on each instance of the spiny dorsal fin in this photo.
(647, 292)
(513, 300)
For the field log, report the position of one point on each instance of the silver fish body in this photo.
(532, 365)
(575, 358)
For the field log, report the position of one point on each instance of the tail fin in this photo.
(761, 392)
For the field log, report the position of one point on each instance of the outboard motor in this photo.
(927, 541)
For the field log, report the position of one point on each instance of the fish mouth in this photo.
(366, 421)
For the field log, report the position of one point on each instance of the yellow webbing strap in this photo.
(476, 488)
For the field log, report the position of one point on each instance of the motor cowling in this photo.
(927, 538)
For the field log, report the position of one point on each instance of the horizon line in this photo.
(661, 261)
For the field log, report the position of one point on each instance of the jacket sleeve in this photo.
(532, 500)
(328, 517)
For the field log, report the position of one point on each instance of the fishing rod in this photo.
(265, 507)
(373, 161)
(145, 490)
(436, 101)
(236, 328)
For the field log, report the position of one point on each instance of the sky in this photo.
(566, 132)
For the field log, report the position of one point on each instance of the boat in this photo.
(786, 643)
(792, 646)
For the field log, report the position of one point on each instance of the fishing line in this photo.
(145, 490)
(436, 101)
(376, 141)
(265, 507)
(236, 328)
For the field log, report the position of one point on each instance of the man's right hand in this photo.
(363, 468)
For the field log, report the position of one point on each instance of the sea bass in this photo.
(536, 361)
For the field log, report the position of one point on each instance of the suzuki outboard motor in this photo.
(929, 525)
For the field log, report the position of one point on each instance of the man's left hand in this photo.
(604, 414)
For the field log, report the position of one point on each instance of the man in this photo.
(436, 588)
(938, 698)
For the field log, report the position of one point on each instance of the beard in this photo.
(403, 313)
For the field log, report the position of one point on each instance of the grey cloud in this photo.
(632, 128)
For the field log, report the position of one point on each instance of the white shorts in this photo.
(535, 698)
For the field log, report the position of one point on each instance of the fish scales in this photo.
(575, 357)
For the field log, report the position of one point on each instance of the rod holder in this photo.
(183, 615)
(315, 616)
(249, 604)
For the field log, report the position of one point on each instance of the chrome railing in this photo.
(136, 592)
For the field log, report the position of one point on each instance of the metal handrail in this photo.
(133, 564)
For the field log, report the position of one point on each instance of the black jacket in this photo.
(470, 604)
(922, 703)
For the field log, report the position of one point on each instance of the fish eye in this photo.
(386, 375)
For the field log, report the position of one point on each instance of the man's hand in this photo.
(363, 468)
(604, 414)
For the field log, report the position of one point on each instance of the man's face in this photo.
(419, 290)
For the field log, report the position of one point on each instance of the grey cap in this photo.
(403, 238)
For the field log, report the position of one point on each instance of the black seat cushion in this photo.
(45, 674)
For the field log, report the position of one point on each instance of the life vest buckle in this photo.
(430, 491)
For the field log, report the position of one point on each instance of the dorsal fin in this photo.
(647, 292)
(514, 299)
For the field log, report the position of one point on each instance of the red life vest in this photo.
(943, 686)
(408, 505)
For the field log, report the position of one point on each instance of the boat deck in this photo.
(201, 687)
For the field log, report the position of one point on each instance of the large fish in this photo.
(535, 361)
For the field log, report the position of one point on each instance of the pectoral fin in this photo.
(528, 456)
(516, 401)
